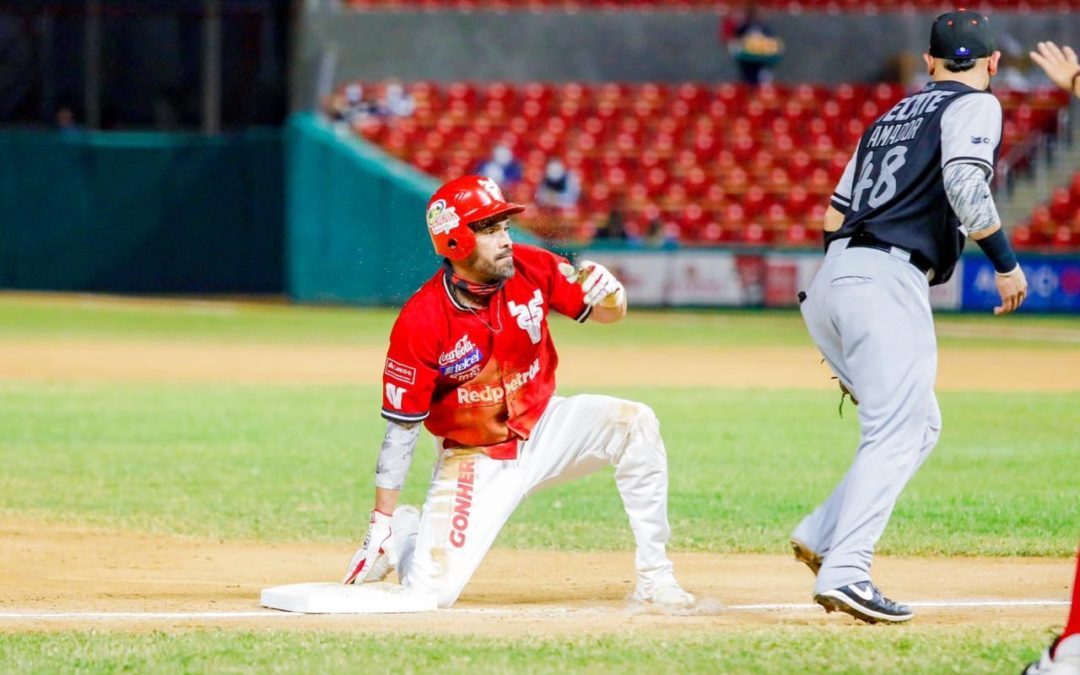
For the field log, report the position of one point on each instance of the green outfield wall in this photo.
(141, 212)
(354, 219)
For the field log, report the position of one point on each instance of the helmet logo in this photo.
(441, 218)
(492, 188)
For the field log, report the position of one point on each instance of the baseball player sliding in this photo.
(471, 357)
(917, 185)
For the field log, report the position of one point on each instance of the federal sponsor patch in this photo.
(400, 372)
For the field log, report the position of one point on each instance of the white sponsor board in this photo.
(950, 294)
(723, 279)
(730, 279)
(644, 275)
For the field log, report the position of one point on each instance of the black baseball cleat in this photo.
(864, 602)
(806, 556)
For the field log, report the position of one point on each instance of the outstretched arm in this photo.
(1060, 65)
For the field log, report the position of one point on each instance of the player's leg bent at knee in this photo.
(470, 498)
(583, 434)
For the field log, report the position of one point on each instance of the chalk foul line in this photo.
(498, 611)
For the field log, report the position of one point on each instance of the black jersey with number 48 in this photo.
(892, 188)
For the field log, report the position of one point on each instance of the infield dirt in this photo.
(49, 568)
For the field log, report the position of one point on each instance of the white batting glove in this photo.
(599, 284)
(376, 557)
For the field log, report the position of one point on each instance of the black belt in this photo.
(921, 262)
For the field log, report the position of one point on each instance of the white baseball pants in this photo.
(471, 495)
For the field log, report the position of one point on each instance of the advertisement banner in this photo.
(786, 275)
(643, 274)
(1053, 284)
(713, 278)
(724, 278)
(949, 295)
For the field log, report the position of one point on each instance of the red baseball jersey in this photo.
(480, 377)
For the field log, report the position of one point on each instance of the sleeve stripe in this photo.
(840, 199)
(584, 314)
(841, 207)
(972, 160)
(401, 417)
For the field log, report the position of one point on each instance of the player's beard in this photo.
(499, 269)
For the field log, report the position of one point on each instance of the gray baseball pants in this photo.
(868, 311)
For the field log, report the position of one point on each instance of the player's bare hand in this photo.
(1061, 65)
(375, 557)
(1012, 288)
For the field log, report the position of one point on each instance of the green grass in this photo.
(296, 462)
(268, 323)
(787, 649)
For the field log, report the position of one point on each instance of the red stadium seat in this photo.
(776, 153)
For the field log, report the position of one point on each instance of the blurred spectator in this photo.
(614, 228)
(502, 168)
(396, 102)
(659, 234)
(753, 45)
(166, 114)
(1013, 66)
(65, 121)
(350, 106)
(560, 188)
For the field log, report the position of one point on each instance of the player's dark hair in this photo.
(959, 65)
(481, 225)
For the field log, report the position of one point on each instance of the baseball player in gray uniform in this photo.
(915, 189)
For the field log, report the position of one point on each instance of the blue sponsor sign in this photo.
(1053, 284)
(463, 364)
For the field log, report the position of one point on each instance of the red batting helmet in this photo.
(458, 204)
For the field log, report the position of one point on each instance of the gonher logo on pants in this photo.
(459, 521)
